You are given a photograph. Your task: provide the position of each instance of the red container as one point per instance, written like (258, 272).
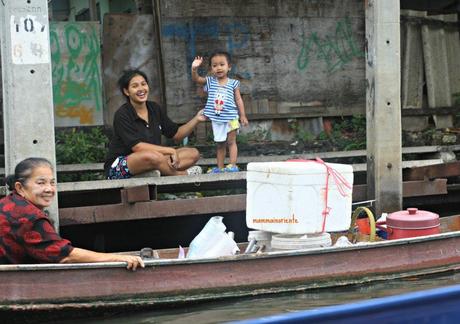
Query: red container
(411, 223)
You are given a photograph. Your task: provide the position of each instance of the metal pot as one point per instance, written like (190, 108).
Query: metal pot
(411, 223)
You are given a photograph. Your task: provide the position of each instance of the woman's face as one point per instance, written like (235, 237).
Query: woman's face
(40, 188)
(137, 90)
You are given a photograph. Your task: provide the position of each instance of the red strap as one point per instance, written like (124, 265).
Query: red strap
(340, 181)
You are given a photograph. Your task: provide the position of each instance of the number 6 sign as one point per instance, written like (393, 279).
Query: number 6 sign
(29, 40)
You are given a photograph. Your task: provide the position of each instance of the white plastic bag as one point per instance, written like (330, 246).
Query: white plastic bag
(212, 241)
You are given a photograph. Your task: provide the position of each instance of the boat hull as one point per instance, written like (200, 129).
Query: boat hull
(162, 282)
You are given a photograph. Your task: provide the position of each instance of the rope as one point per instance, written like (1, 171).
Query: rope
(340, 182)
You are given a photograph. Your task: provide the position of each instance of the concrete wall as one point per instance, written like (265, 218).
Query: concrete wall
(295, 58)
(289, 55)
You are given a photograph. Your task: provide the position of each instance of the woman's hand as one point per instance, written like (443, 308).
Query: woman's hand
(200, 116)
(173, 160)
(133, 262)
(78, 255)
(197, 62)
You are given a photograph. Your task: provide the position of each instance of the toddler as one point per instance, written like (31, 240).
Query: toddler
(224, 107)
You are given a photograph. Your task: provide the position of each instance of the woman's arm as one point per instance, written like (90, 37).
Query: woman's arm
(173, 160)
(78, 255)
(143, 146)
(187, 128)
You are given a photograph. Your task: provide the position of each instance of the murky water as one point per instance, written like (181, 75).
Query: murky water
(245, 308)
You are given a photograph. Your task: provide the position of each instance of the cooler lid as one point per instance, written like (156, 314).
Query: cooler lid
(413, 218)
(298, 167)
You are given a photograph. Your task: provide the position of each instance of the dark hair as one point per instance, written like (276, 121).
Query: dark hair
(24, 169)
(220, 53)
(126, 77)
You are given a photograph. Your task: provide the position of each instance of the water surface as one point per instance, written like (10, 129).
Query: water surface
(245, 308)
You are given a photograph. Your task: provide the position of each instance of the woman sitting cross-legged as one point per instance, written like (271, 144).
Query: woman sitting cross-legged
(138, 125)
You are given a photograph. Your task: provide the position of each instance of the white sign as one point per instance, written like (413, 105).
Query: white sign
(29, 40)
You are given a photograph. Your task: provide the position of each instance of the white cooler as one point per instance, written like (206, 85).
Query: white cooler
(289, 197)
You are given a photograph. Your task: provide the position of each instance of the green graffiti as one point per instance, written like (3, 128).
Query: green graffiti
(335, 51)
(75, 56)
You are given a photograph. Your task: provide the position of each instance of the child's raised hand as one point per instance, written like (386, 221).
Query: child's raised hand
(197, 62)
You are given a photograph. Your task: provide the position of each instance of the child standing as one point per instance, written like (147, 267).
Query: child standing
(224, 107)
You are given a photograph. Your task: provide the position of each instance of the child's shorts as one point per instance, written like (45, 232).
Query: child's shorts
(221, 129)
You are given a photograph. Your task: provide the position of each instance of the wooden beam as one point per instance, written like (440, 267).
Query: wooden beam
(444, 170)
(207, 205)
(152, 209)
(383, 106)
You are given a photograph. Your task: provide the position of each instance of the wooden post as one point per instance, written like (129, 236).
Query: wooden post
(28, 113)
(159, 49)
(92, 5)
(383, 107)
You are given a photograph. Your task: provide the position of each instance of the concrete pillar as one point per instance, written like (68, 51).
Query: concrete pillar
(28, 112)
(383, 107)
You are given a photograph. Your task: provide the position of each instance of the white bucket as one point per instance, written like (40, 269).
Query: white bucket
(290, 197)
(262, 238)
(299, 242)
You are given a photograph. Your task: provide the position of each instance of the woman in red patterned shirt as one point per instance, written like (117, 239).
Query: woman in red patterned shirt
(26, 233)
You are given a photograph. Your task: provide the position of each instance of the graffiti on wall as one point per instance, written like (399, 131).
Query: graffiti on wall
(335, 50)
(236, 37)
(76, 73)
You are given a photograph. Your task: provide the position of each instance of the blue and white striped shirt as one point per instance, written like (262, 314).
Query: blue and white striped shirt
(221, 105)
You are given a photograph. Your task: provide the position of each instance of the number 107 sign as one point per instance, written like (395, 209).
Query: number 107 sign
(29, 40)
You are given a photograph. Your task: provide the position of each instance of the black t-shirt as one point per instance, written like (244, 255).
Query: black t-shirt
(129, 129)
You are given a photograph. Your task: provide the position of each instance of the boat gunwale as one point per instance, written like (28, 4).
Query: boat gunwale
(232, 258)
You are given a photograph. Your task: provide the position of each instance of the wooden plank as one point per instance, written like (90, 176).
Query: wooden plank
(135, 194)
(424, 188)
(157, 181)
(453, 54)
(410, 189)
(195, 180)
(68, 168)
(444, 170)
(346, 111)
(311, 112)
(412, 74)
(207, 205)
(437, 71)
(361, 167)
(412, 78)
(152, 209)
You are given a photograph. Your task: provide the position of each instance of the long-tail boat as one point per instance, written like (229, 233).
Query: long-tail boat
(168, 280)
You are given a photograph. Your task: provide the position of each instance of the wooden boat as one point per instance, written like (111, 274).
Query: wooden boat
(439, 305)
(169, 280)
